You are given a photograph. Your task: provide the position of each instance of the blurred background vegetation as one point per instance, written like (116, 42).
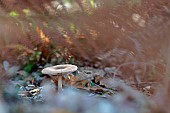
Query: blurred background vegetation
(131, 36)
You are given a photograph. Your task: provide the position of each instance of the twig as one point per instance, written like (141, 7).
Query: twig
(129, 63)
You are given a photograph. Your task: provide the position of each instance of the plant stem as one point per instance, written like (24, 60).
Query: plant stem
(59, 83)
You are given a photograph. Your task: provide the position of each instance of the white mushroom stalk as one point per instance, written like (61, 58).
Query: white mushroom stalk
(59, 70)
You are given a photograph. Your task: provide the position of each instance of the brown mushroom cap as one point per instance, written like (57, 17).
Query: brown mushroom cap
(59, 69)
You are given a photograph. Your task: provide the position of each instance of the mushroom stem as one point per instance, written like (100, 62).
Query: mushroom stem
(59, 83)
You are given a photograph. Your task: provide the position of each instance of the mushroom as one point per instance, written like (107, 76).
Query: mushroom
(59, 70)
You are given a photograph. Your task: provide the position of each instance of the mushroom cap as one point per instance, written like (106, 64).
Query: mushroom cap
(59, 69)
